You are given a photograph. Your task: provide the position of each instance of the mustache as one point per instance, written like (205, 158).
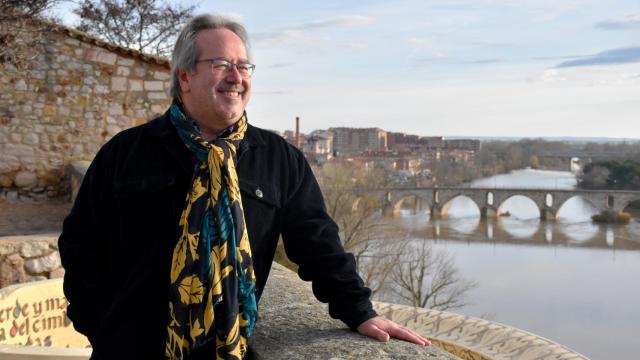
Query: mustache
(233, 87)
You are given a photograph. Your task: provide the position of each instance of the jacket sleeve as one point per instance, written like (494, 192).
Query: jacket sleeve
(311, 240)
(80, 244)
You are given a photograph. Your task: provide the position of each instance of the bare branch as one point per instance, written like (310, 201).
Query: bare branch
(149, 26)
(426, 278)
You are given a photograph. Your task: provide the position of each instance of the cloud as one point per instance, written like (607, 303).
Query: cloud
(608, 57)
(419, 41)
(629, 22)
(566, 57)
(280, 65)
(278, 36)
(335, 21)
(354, 45)
(484, 61)
(298, 32)
(273, 92)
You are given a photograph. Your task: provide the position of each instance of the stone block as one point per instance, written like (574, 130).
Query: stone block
(31, 139)
(125, 61)
(20, 85)
(43, 264)
(12, 270)
(113, 129)
(26, 179)
(8, 248)
(15, 137)
(161, 75)
(139, 121)
(119, 83)
(57, 273)
(10, 163)
(63, 111)
(157, 109)
(72, 42)
(105, 57)
(135, 85)
(12, 195)
(31, 249)
(100, 89)
(49, 110)
(153, 85)
(78, 150)
(158, 95)
(123, 71)
(5, 182)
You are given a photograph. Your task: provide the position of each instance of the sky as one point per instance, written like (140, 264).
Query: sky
(522, 68)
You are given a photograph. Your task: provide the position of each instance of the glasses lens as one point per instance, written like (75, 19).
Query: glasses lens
(246, 69)
(221, 65)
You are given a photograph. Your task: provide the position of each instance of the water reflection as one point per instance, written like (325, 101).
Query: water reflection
(531, 231)
(560, 279)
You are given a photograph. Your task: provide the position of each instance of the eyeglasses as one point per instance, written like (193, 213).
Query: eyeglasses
(221, 65)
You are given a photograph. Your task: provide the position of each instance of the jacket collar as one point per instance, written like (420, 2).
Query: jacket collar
(162, 129)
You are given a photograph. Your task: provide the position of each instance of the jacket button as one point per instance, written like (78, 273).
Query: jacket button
(259, 193)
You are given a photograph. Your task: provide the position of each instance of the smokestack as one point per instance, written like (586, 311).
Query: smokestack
(298, 132)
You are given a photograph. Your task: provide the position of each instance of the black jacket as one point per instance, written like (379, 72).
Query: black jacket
(117, 242)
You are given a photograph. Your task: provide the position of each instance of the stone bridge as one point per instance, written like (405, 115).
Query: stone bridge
(489, 200)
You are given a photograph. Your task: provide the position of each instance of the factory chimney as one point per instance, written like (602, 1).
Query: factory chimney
(298, 132)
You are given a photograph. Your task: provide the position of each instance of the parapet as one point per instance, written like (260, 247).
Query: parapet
(293, 325)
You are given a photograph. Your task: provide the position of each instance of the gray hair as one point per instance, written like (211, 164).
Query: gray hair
(186, 52)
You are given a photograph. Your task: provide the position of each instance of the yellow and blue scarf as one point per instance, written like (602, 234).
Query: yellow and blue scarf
(212, 291)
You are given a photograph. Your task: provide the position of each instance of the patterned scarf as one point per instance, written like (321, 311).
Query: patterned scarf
(212, 291)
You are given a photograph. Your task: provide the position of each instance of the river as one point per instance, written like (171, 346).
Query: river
(570, 281)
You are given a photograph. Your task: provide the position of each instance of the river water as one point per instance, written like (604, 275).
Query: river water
(570, 281)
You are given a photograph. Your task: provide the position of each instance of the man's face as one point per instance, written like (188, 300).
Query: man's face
(214, 98)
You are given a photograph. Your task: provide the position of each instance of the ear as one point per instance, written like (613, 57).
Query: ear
(184, 78)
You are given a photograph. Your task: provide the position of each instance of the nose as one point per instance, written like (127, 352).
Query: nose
(233, 75)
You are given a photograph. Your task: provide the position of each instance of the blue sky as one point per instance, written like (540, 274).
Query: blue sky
(445, 67)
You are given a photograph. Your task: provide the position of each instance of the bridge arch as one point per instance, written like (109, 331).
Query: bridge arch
(446, 203)
(586, 199)
(634, 201)
(399, 202)
(501, 205)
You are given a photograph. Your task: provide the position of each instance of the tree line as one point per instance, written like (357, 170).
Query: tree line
(498, 157)
(613, 174)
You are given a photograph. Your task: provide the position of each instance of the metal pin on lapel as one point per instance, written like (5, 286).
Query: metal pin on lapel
(259, 193)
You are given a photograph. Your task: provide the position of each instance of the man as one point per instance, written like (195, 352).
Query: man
(150, 275)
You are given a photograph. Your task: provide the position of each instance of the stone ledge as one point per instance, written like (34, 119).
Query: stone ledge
(477, 339)
(294, 325)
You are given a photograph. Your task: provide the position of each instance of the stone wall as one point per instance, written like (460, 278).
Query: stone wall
(76, 96)
(29, 258)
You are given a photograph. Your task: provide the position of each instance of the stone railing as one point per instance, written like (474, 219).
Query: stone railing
(293, 325)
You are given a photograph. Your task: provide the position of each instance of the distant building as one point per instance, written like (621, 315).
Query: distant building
(290, 136)
(358, 140)
(318, 146)
(432, 142)
(463, 144)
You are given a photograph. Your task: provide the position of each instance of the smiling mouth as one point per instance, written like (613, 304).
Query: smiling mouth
(231, 93)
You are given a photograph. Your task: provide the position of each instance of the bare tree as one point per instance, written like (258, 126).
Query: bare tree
(149, 26)
(429, 278)
(22, 27)
(375, 243)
